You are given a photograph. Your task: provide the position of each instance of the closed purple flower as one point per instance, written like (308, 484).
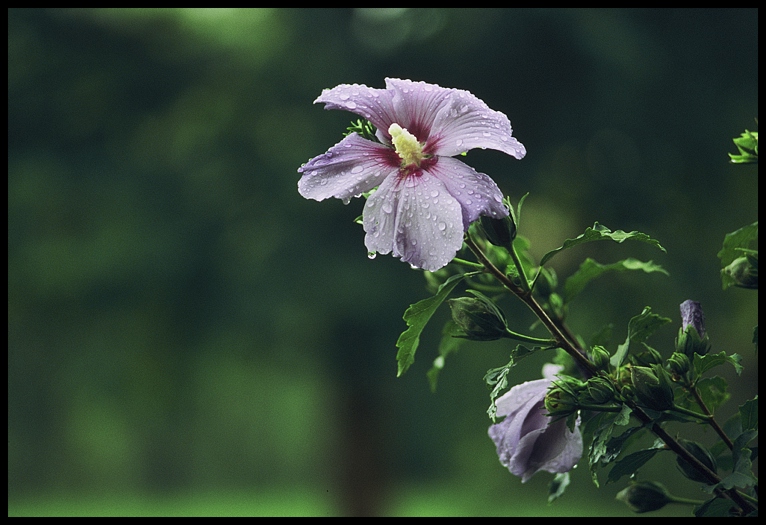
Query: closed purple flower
(425, 199)
(692, 315)
(526, 440)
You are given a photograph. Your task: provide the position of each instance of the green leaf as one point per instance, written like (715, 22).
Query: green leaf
(416, 317)
(601, 233)
(713, 391)
(714, 508)
(703, 363)
(640, 328)
(630, 464)
(590, 269)
(497, 378)
(747, 144)
(449, 343)
(734, 245)
(749, 414)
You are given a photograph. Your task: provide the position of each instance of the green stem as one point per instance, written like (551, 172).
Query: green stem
(692, 413)
(468, 264)
(510, 334)
(711, 421)
(519, 268)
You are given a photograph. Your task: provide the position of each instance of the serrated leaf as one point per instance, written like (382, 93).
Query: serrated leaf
(497, 378)
(733, 244)
(416, 317)
(590, 269)
(703, 363)
(749, 414)
(640, 328)
(601, 233)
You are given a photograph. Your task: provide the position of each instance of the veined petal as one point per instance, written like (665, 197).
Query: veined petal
(553, 449)
(348, 169)
(465, 122)
(476, 192)
(416, 104)
(416, 219)
(513, 400)
(373, 104)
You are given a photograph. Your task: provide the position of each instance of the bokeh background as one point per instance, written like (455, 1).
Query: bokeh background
(187, 335)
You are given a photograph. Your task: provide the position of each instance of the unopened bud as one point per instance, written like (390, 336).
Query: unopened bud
(600, 358)
(478, 318)
(562, 397)
(692, 338)
(652, 387)
(644, 496)
(679, 364)
(500, 232)
(744, 272)
(598, 391)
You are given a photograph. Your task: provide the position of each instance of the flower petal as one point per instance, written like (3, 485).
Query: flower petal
(416, 219)
(348, 169)
(553, 449)
(476, 192)
(465, 122)
(416, 104)
(373, 104)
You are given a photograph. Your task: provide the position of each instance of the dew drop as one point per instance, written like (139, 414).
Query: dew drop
(357, 169)
(387, 208)
(434, 193)
(351, 105)
(442, 226)
(371, 255)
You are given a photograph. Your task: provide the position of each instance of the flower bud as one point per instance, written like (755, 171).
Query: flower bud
(692, 338)
(562, 397)
(652, 387)
(744, 272)
(598, 391)
(644, 496)
(478, 318)
(702, 454)
(648, 357)
(678, 364)
(500, 232)
(600, 358)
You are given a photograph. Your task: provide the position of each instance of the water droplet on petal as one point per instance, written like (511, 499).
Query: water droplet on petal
(442, 226)
(357, 169)
(387, 208)
(371, 255)
(351, 105)
(434, 193)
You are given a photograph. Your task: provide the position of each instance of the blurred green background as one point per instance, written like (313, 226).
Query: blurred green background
(187, 335)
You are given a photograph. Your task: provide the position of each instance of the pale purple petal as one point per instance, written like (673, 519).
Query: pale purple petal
(416, 219)
(373, 104)
(348, 169)
(465, 122)
(692, 314)
(553, 448)
(416, 104)
(519, 395)
(476, 192)
(526, 440)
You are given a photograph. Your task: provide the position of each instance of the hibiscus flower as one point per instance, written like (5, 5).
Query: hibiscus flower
(425, 199)
(526, 440)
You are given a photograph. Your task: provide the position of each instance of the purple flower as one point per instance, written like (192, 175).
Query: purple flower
(425, 199)
(526, 440)
(692, 314)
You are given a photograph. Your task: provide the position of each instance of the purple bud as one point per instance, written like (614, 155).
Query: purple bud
(691, 314)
